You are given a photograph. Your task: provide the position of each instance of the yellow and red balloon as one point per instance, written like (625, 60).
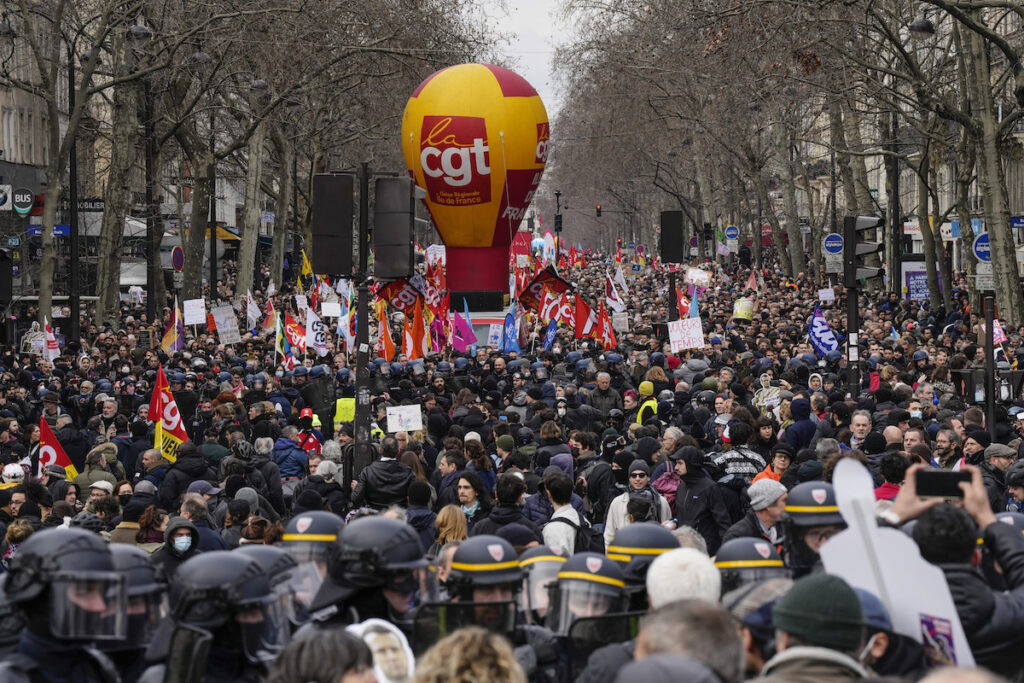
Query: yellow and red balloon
(475, 137)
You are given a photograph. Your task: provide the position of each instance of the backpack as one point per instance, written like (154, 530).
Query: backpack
(587, 538)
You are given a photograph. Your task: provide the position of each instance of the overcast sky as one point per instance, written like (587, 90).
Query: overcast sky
(536, 34)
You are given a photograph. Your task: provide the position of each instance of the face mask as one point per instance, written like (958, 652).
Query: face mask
(182, 543)
(575, 451)
(279, 374)
(561, 412)
(621, 476)
(124, 498)
(915, 413)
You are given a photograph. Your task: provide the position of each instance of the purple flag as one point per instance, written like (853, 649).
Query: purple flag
(462, 334)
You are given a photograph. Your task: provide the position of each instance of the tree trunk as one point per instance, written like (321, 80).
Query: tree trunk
(160, 292)
(706, 212)
(251, 214)
(993, 183)
(780, 250)
(194, 241)
(115, 201)
(843, 165)
(945, 277)
(796, 249)
(284, 193)
(925, 225)
(54, 191)
(861, 188)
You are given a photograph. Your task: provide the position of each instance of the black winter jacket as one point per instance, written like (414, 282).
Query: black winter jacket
(699, 504)
(503, 515)
(992, 619)
(748, 527)
(184, 471)
(383, 483)
(272, 476)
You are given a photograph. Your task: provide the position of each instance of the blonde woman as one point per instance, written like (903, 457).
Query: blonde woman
(451, 526)
(470, 655)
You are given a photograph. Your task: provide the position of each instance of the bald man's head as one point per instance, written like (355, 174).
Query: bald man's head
(893, 435)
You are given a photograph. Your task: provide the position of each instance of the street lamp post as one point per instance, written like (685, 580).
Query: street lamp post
(141, 34)
(212, 175)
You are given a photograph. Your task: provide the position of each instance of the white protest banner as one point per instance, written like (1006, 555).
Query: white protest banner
(316, 338)
(227, 324)
(300, 302)
(494, 335)
(685, 334)
(620, 321)
(888, 563)
(194, 311)
(404, 419)
(330, 309)
(696, 276)
(827, 295)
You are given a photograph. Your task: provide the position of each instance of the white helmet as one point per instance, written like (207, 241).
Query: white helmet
(13, 474)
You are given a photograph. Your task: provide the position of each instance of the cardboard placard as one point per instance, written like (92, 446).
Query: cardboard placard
(685, 334)
(404, 419)
(194, 311)
(827, 295)
(620, 321)
(696, 276)
(301, 303)
(227, 324)
(494, 335)
(330, 309)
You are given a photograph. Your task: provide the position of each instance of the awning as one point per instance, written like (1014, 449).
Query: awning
(224, 235)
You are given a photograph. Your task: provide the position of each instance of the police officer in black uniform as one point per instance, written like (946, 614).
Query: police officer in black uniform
(225, 599)
(376, 568)
(64, 585)
(812, 517)
(634, 547)
(742, 561)
(146, 607)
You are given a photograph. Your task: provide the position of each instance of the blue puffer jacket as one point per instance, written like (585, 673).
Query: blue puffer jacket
(800, 433)
(291, 460)
(538, 509)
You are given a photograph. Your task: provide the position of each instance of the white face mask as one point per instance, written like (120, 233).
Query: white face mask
(182, 543)
(561, 412)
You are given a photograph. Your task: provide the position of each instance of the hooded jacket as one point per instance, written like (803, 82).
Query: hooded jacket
(422, 520)
(290, 458)
(189, 467)
(500, 516)
(699, 502)
(166, 557)
(383, 483)
(801, 432)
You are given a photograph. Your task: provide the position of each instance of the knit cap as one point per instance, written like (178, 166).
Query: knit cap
(821, 609)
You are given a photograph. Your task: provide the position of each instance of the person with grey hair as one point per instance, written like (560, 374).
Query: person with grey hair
(860, 427)
(194, 509)
(825, 449)
(689, 537)
(604, 398)
(695, 629)
(331, 451)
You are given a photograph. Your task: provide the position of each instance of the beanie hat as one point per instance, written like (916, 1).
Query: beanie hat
(419, 493)
(623, 458)
(646, 448)
(308, 500)
(506, 443)
(980, 435)
(785, 449)
(764, 492)
(646, 388)
(232, 484)
(821, 609)
(30, 509)
(874, 443)
(639, 465)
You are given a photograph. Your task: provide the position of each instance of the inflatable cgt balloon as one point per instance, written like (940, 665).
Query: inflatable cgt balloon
(475, 137)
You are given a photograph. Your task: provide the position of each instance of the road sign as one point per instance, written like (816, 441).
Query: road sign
(982, 247)
(24, 200)
(5, 197)
(732, 232)
(693, 242)
(833, 243)
(177, 258)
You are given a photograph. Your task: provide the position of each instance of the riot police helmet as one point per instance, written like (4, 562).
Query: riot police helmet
(146, 596)
(308, 536)
(65, 585)
(745, 560)
(540, 567)
(293, 584)
(589, 585)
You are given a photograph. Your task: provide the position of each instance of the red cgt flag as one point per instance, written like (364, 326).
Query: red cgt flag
(52, 453)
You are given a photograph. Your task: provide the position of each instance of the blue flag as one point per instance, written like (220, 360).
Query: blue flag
(693, 306)
(822, 338)
(465, 314)
(509, 337)
(549, 335)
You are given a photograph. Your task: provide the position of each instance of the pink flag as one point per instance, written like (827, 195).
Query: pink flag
(462, 334)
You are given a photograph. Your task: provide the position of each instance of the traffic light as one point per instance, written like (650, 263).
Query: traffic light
(393, 215)
(672, 236)
(598, 210)
(855, 248)
(558, 222)
(332, 224)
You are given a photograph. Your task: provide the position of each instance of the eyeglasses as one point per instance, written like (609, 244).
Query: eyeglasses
(638, 475)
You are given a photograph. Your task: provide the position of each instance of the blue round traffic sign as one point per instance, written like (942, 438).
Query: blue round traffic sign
(177, 258)
(983, 248)
(732, 232)
(833, 243)
(693, 242)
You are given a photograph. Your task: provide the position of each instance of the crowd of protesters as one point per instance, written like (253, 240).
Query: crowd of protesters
(554, 496)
